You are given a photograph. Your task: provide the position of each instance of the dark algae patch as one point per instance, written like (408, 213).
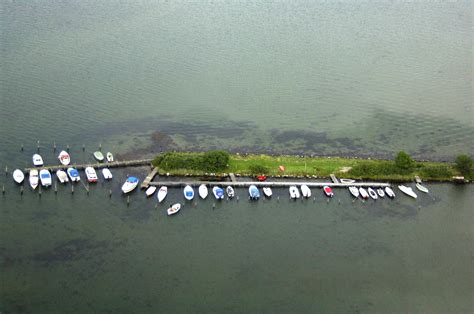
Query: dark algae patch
(70, 251)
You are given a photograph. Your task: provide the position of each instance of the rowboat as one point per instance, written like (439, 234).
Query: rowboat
(407, 190)
(354, 191)
(230, 191)
(218, 192)
(162, 193)
(348, 181)
(203, 192)
(73, 174)
(130, 184)
(150, 191)
(33, 178)
(389, 192)
(380, 192)
(37, 160)
(45, 177)
(110, 157)
(18, 176)
(188, 192)
(107, 174)
(363, 193)
(372, 193)
(294, 192)
(174, 209)
(64, 158)
(62, 176)
(267, 191)
(305, 191)
(91, 174)
(261, 178)
(254, 193)
(422, 188)
(328, 191)
(99, 156)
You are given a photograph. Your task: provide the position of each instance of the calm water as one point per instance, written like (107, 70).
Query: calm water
(324, 79)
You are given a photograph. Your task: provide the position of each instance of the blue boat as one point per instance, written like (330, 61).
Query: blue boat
(218, 192)
(254, 192)
(188, 192)
(130, 184)
(73, 174)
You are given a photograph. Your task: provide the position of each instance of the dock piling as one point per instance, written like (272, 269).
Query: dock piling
(128, 200)
(21, 190)
(6, 170)
(3, 189)
(110, 193)
(72, 188)
(22, 147)
(38, 145)
(83, 147)
(54, 147)
(67, 148)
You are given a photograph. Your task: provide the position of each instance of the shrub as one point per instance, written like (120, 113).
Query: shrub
(217, 160)
(403, 162)
(258, 169)
(210, 161)
(436, 172)
(464, 164)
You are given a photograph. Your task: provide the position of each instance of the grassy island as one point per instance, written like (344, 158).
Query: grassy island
(403, 168)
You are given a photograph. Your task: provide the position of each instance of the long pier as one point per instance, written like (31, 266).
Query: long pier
(270, 183)
(98, 165)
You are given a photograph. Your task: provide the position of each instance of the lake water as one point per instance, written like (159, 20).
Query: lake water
(330, 78)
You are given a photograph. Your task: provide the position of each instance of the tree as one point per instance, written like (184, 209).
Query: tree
(464, 164)
(404, 162)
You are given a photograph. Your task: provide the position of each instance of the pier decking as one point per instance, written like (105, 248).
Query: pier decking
(269, 183)
(98, 165)
(149, 177)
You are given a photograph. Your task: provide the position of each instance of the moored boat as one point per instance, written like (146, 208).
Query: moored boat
(73, 174)
(422, 188)
(230, 191)
(328, 191)
(380, 192)
(150, 191)
(64, 158)
(267, 191)
(18, 176)
(347, 181)
(372, 193)
(91, 174)
(389, 192)
(254, 193)
(45, 177)
(407, 190)
(188, 192)
(33, 178)
(99, 156)
(173, 209)
(218, 192)
(62, 176)
(110, 157)
(354, 191)
(294, 192)
(37, 160)
(106, 173)
(130, 184)
(261, 178)
(363, 193)
(305, 191)
(162, 193)
(203, 192)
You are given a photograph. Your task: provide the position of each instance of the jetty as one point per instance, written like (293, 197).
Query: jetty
(149, 177)
(269, 183)
(98, 165)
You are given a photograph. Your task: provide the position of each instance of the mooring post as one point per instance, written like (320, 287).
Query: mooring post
(38, 145)
(128, 200)
(83, 147)
(21, 190)
(72, 188)
(67, 148)
(110, 193)
(54, 147)
(3, 189)
(22, 147)
(100, 146)
(6, 170)
(55, 187)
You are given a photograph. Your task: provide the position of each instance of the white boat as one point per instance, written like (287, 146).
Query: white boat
(305, 191)
(91, 174)
(218, 192)
(389, 192)
(372, 193)
(363, 193)
(267, 191)
(150, 191)
(62, 176)
(294, 192)
(354, 191)
(130, 184)
(162, 193)
(107, 173)
(188, 192)
(73, 174)
(33, 178)
(422, 188)
(45, 177)
(18, 176)
(174, 209)
(407, 190)
(254, 193)
(203, 192)
(64, 158)
(348, 181)
(110, 157)
(99, 156)
(380, 192)
(37, 160)
(230, 191)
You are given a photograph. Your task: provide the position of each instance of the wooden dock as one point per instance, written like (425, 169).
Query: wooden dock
(149, 177)
(98, 165)
(269, 183)
(333, 178)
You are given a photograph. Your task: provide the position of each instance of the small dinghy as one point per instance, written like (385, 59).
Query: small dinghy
(372, 193)
(110, 157)
(62, 176)
(99, 156)
(64, 158)
(129, 185)
(267, 191)
(33, 178)
(380, 192)
(37, 160)
(407, 190)
(261, 178)
(354, 191)
(254, 193)
(218, 192)
(422, 188)
(294, 192)
(305, 191)
(73, 174)
(230, 191)
(203, 192)
(150, 191)
(106, 173)
(389, 192)
(363, 193)
(18, 176)
(347, 181)
(328, 191)
(188, 192)
(91, 175)
(174, 209)
(45, 178)
(162, 193)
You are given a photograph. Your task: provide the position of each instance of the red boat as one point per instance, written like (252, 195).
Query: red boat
(261, 178)
(328, 191)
